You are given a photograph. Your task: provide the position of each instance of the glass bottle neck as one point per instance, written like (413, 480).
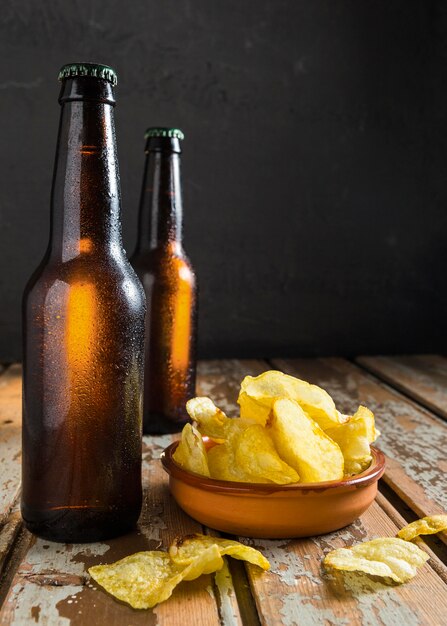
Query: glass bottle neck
(161, 210)
(85, 199)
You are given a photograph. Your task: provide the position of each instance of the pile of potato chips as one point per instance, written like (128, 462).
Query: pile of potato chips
(288, 431)
(145, 579)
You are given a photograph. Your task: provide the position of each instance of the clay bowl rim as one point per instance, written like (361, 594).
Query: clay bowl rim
(369, 476)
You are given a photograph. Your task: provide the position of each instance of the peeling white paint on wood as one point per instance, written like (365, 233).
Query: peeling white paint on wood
(416, 443)
(377, 602)
(50, 573)
(228, 609)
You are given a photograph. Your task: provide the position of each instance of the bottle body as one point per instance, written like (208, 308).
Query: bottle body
(83, 321)
(83, 360)
(171, 291)
(170, 353)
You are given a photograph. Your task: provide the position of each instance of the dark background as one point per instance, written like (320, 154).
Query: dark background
(314, 160)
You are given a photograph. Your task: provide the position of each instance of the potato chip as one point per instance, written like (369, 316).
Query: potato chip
(190, 452)
(250, 456)
(222, 465)
(259, 393)
(353, 437)
(389, 558)
(211, 421)
(146, 578)
(425, 526)
(366, 417)
(342, 418)
(255, 452)
(303, 445)
(184, 550)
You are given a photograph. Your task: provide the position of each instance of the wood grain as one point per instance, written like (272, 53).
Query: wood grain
(10, 438)
(413, 440)
(422, 377)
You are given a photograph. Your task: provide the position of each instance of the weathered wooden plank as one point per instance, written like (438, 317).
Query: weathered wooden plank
(297, 591)
(51, 584)
(422, 377)
(10, 438)
(413, 440)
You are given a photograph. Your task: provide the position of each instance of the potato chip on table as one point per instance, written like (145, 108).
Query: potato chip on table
(426, 526)
(145, 579)
(183, 550)
(389, 557)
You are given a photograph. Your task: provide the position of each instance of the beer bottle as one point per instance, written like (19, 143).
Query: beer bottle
(84, 313)
(170, 285)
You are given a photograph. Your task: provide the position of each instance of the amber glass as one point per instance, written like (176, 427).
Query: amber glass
(170, 285)
(83, 320)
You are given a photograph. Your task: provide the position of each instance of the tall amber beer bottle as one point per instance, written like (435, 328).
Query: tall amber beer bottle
(170, 285)
(84, 313)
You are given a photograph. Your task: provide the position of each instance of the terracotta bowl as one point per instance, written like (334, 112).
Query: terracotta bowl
(273, 511)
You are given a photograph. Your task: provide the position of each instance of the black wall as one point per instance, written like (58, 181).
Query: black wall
(314, 159)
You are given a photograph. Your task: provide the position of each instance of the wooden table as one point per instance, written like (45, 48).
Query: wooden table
(47, 583)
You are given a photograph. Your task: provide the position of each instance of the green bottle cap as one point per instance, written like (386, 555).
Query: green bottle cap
(95, 70)
(171, 133)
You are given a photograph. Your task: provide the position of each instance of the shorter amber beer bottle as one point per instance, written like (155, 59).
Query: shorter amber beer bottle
(170, 285)
(84, 313)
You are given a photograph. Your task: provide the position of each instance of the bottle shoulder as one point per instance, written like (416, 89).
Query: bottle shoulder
(109, 276)
(161, 260)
